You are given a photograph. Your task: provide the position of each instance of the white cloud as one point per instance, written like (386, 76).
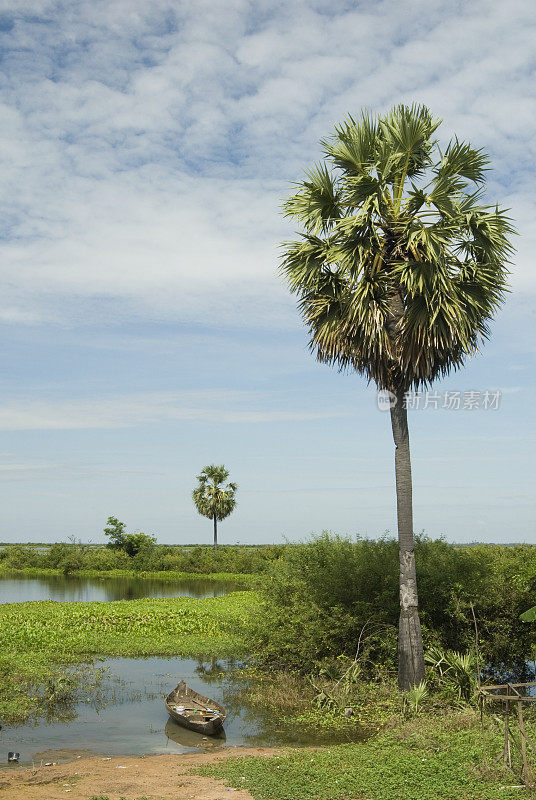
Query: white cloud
(125, 411)
(146, 145)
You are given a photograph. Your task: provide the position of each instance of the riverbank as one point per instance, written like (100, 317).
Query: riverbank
(166, 777)
(407, 765)
(162, 575)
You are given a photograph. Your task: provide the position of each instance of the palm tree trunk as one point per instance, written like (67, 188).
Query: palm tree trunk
(410, 649)
(215, 533)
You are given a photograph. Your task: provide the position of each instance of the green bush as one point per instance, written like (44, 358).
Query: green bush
(54, 556)
(139, 543)
(325, 593)
(203, 560)
(510, 584)
(16, 557)
(104, 559)
(73, 561)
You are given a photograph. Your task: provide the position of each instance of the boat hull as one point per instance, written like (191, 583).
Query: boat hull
(208, 728)
(199, 720)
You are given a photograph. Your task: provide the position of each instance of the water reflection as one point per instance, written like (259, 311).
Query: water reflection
(73, 588)
(187, 738)
(211, 671)
(127, 715)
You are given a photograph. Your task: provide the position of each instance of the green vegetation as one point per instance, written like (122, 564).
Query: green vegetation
(131, 543)
(320, 698)
(321, 630)
(195, 559)
(398, 271)
(38, 641)
(232, 577)
(330, 593)
(318, 603)
(180, 626)
(115, 531)
(436, 759)
(212, 499)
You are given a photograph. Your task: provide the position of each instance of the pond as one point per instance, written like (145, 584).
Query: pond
(74, 588)
(128, 716)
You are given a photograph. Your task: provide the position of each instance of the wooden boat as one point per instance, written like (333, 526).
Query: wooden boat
(195, 711)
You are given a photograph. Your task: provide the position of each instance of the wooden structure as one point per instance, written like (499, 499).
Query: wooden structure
(512, 698)
(195, 711)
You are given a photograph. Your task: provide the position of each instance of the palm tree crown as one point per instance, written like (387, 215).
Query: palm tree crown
(212, 499)
(400, 266)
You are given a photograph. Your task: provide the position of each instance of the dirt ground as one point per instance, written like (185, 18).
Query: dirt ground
(163, 777)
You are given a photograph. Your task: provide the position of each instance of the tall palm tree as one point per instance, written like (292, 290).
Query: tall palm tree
(398, 271)
(212, 499)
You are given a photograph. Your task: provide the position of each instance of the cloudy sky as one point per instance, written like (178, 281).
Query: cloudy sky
(146, 146)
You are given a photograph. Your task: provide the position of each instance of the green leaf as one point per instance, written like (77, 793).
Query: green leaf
(528, 616)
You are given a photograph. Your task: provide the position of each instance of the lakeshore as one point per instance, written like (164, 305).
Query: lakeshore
(386, 770)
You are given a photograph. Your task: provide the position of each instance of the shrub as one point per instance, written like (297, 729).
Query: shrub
(115, 530)
(104, 559)
(54, 556)
(323, 592)
(135, 543)
(73, 561)
(16, 557)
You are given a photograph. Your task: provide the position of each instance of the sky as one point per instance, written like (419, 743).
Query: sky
(146, 148)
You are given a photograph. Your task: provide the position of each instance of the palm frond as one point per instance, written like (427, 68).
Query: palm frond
(460, 159)
(399, 288)
(407, 136)
(317, 202)
(352, 147)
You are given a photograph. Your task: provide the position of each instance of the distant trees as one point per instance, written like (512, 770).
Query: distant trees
(115, 531)
(211, 498)
(130, 543)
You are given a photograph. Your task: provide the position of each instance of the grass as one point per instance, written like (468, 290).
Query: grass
(39, 640)
(162, 575)
(443, 763)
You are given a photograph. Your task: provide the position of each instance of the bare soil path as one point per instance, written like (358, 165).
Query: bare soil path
(163, 777)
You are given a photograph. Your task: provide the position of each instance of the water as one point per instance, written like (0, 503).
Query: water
(132, 719)
(73, 588)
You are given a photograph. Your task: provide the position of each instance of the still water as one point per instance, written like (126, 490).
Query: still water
(130, 717)
(73, 588)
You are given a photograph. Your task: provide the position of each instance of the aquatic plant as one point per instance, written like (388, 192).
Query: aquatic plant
(39, 640)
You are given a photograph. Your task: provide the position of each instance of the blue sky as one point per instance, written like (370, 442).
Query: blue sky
(146, 147)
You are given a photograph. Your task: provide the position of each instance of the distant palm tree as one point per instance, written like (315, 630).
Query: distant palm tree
(213, 500)
(398, 271)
